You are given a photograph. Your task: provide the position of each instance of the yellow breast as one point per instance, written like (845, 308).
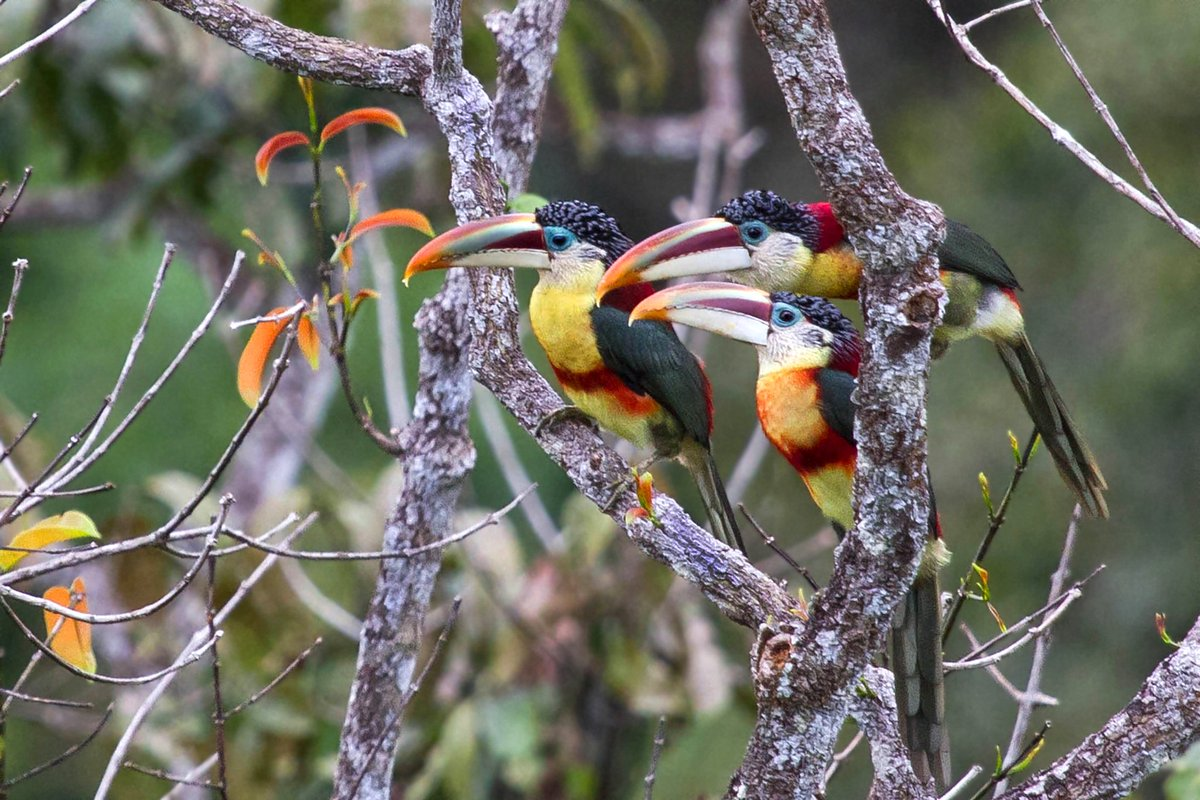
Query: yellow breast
(561, 321)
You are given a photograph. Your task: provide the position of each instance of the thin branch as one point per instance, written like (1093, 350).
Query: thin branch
(491, 519)
(297, 662)
(995, 522)
(20, 190)
(959, 789)
(1016, 694)
(1058, 133)
(779, 551)
(210, 615)
(451, 618)
(190, 779)
(4, 92)
(995, 12)
(1041, 649)
(64, 755)
(1003, 774)
(176, 779)
(660, 740)
(21, 434)
(50, 701)
(320, 604)
(122, 748)
(1102, 109)
(47, 34)
(19, 267)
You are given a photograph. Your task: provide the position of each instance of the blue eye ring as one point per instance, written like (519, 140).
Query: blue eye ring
(784, 315)
(754, 232)
(558, 239)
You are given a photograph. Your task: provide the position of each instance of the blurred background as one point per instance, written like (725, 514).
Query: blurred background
(571, 644)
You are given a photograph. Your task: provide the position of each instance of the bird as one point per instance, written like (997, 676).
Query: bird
(808, 359)
(637, 381)
(762, 240)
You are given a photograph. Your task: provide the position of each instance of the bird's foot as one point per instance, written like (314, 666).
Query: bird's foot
(562, 415)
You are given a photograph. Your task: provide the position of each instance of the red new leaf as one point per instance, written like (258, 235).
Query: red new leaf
(362, 116)
(309, 341)
(273, 147)
(396, 217)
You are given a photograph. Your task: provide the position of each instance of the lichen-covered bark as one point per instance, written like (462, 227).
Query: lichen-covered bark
(1159, 724)
(805, 679)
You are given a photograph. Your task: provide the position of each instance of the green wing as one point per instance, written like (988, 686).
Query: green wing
(651, 360)
(964, 250)
(837, 407)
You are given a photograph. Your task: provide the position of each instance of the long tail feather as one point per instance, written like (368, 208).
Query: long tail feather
(699, 461)
(1060, 434)
(917, 662)
(920, 695)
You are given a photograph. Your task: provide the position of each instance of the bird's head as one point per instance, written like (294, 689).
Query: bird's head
(757, 239)
(570, 242)
(790, 331)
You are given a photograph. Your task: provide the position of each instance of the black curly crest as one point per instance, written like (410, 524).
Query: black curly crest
(776, 212)
(590, 223)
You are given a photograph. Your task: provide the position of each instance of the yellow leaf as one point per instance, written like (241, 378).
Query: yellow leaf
(72, 640)
(71, 525)
(254, 356)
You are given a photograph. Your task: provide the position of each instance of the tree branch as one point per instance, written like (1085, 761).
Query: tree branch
(1159, 724)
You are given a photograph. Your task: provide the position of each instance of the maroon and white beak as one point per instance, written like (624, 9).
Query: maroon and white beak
(726, 309)
(698, 247)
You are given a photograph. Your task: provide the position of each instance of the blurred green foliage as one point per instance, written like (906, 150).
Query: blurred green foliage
(562, 660)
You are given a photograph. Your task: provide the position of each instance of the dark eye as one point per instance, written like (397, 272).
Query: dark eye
(754, 232)
(784, 316)
(559, 239)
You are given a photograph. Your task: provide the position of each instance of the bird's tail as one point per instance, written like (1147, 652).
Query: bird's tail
(917, 663)
(920, 692)
(699, 461)
(1058, 430)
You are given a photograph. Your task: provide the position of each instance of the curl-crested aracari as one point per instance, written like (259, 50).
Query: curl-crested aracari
(808, 358)
(637, 381)
(761, 240)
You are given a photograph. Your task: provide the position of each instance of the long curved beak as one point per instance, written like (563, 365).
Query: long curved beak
(726, 309)
(511, 240)
(698, 247)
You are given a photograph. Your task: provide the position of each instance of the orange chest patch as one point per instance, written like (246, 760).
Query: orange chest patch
(789, 409)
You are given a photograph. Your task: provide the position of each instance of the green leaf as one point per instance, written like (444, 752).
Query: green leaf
(61, 528)
(526, 203)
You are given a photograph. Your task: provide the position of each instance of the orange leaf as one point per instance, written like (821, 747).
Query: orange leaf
(401, 217)
(73, 639)
(254, 356)
(309, 342)
(346, 256)
(273, 147)
(362, 116)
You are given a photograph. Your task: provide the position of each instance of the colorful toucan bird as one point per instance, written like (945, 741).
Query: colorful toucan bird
(637, 381)
(808, 358)
(761, 240)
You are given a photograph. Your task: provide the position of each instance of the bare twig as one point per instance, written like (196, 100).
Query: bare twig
(176, 779)
(50, 701)
(193, 650)
(47, 34)
(19, 267)
(960, 788)
(1058, 133)
(296, 663)
(210, 615)
(64, 755)
(779, 551)
(840, 757)
(995, 12)
(451, 618)
(660, 740)
(20, 190)
(1016, 694)
(1041, 650)
(21, 434)
(491, 519)
(4, 92)
(190, 779)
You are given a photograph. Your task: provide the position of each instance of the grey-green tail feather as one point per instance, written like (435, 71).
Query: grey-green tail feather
(699, 461)
(917, 664)
(1058, 430)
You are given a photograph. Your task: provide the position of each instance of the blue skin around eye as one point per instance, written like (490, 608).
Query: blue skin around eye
(753, 232)
(784, 316)
(558, 239)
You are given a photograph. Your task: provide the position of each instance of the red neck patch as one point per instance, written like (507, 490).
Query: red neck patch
(830, 230)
